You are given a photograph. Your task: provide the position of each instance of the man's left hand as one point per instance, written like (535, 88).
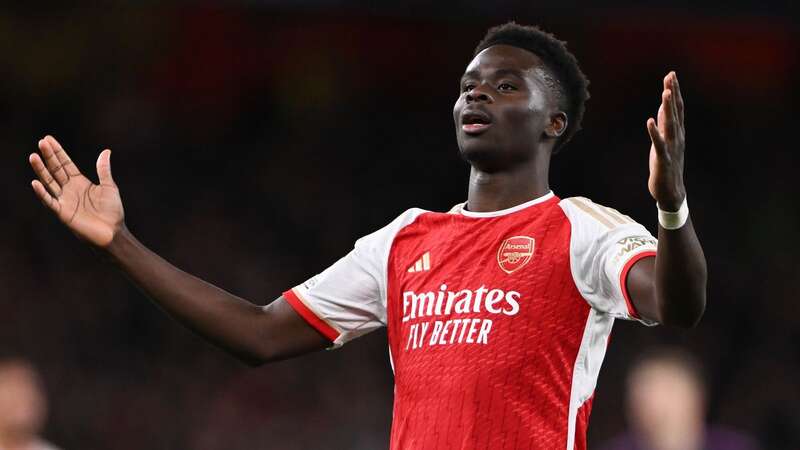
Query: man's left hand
(668, 144)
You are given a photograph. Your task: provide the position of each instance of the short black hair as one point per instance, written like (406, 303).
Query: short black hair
(570, 83)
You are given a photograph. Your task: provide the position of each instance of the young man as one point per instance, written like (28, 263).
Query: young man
(499, 311)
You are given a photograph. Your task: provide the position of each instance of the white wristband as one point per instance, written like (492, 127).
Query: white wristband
(673, 220)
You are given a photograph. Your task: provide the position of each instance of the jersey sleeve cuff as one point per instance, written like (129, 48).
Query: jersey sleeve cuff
(303, 308)
(623, 281)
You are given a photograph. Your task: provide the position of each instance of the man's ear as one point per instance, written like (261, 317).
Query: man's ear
(557, 125)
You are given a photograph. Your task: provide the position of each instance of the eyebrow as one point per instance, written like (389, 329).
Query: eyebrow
(497, 73)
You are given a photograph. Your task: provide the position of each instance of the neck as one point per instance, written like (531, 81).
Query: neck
(10, 440)
(690, 440)
(505, 189)
(684, 433)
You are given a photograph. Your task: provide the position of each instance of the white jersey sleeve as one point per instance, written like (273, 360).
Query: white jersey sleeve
(604, 245)
(348, 299)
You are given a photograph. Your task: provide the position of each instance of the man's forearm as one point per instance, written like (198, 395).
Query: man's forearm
(94, 212)
(671, 289)
(680, 276)
(224, 319)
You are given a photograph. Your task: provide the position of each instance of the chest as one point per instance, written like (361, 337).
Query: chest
(456, 281)
(445, 253)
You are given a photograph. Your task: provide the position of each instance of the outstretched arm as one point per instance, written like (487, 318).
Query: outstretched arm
(670, 288)
(94, 213)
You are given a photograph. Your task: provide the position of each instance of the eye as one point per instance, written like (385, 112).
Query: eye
(506, 87)
(467, 87)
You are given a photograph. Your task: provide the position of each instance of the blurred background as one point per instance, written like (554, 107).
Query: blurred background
(254, 141)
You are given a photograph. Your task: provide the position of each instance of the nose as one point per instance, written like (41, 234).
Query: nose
(479, 94)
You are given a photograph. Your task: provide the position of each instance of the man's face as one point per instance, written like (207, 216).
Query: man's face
(504, 107)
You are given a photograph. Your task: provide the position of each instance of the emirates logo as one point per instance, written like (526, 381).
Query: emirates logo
(514, 253)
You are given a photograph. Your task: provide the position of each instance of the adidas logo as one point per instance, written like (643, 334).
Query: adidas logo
(423, 264)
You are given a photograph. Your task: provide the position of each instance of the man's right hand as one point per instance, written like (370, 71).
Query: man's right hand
(92, 211)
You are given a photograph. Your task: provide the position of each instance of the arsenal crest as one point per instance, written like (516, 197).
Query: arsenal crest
(514, 253)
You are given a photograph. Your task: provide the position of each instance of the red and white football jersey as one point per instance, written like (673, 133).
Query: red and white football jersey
(498, 322)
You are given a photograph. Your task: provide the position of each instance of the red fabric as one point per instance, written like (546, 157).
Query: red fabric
(623, 281)
(582, 423)
(513, 390)
(309, 316)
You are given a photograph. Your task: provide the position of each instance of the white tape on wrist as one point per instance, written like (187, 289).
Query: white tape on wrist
(673, 220)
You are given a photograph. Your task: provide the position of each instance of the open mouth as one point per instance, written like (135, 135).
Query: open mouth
(475, 122)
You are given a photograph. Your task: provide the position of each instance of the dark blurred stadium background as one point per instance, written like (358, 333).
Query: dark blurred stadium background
(254, 142)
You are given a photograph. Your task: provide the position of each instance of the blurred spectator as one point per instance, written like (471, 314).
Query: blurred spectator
(22, 407)
(666, 403)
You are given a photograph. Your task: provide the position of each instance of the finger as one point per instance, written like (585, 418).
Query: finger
(63, 158)
(668, 124)
(104, 168)
(45, 197)
(51, 162)
(673, 102)
(44, 175)
(661, 117)
(678, 97)
(655, 137)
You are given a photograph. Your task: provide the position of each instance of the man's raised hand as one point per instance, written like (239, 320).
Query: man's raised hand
(666, 152)
(92, 211)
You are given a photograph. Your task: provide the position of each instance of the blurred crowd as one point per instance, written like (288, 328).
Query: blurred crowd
(252, 147)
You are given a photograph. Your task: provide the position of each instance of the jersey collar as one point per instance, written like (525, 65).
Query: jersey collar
(503, 212)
